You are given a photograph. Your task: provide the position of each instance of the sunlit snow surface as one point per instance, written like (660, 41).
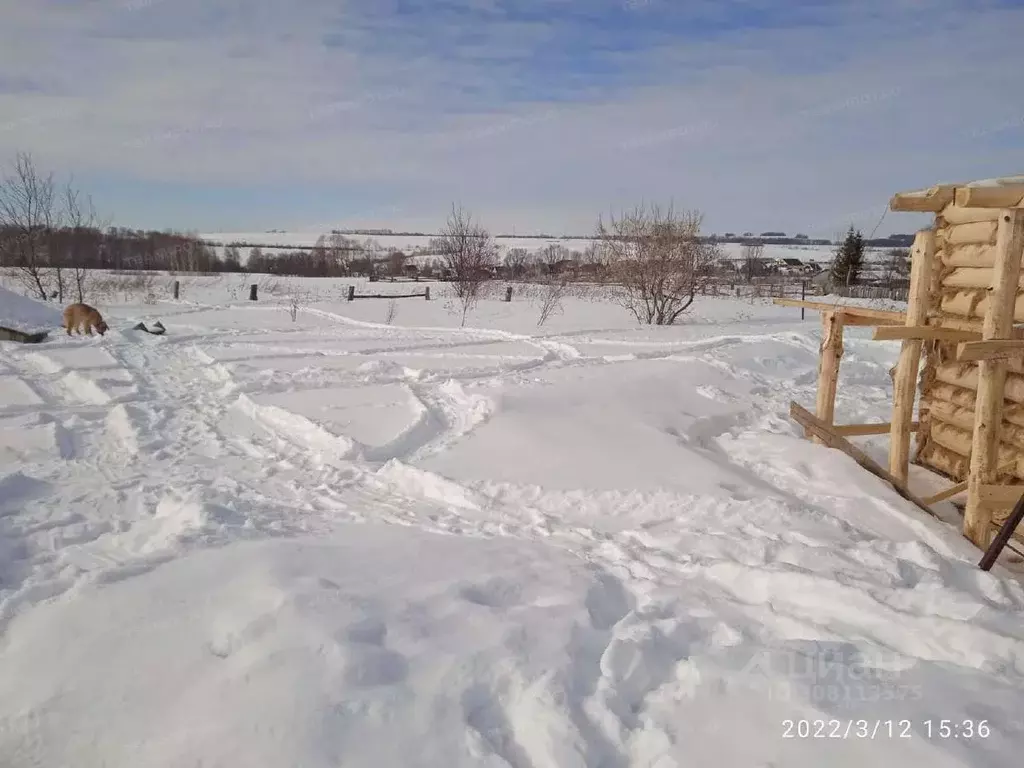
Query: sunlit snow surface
(331, 541)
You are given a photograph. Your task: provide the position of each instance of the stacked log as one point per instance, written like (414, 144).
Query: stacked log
(965, 241)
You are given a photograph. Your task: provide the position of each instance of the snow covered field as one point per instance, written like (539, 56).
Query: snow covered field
(333, 541)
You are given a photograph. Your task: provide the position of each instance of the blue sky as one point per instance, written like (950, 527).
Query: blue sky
(235, 115)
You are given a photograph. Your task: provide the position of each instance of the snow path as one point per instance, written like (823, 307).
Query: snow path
(720, 545)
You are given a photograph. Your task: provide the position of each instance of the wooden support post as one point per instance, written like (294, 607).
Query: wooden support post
(828, 366)
(427, 293)
(177, 286)
(508, 293)
(992, 375)
(351, 292)
(922, 257)
(252, 292)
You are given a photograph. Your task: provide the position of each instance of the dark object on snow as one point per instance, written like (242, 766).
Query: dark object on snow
(252, 292)
(1003, 537)
(157, 329)
(10, 334)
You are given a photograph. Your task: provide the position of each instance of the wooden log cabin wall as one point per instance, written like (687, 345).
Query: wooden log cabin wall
(966, 277)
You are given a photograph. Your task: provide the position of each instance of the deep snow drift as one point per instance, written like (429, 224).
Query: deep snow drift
(334, 541)
(22, 313)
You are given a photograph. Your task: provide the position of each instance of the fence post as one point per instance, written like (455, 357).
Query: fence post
(351, 292)
(177, 285)
(803, 297)
(427, 293)
(252, 292)
(508, 293)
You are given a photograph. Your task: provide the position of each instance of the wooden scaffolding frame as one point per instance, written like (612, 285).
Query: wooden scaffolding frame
(989, 343)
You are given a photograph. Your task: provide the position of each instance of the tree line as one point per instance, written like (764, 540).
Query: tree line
(654, 260)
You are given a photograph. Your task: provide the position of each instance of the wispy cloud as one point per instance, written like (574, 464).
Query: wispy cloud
(544, 113)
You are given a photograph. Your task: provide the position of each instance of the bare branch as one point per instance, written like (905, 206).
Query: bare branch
(754, 264)
(658, 259)
(554, 290)
(515, 262)
(28, 214)
(468, 255)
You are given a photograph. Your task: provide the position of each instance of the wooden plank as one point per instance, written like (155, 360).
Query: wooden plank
(904, 382)
(998, 324)
(12, 334)
(848, 309)
(931, 200)
(921, 332)
(1000, 496)
(828, 437)
(868, 322)
(949, 493)
(1007, 196)
(998, 349)
(828, 365)
(389, 296)
(859, 430)
(953, 490)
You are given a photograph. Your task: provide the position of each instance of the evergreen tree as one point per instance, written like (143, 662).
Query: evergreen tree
(848, 259)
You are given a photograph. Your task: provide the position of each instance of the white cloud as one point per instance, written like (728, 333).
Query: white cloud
(801, 129)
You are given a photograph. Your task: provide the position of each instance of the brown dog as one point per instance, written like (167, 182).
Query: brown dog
(82, 316)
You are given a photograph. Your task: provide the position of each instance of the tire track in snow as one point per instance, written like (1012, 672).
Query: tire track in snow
(724, 557)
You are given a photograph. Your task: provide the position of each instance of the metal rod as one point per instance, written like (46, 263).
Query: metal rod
(1001, 539)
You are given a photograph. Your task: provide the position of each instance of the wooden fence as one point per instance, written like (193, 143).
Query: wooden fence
(352, 295)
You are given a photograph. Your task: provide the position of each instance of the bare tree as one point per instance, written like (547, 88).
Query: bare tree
(551, 256)
(554, 289)
(80, 217)
(396, 263)
(319, 256)
(753, 261)
(467, 255)
(515, 261)
(897, 266)
(339, 253)
(658, 259)
(297, 299)
(28, 215)
(232, 258)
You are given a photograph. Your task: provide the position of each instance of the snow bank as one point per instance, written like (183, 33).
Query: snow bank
(381, 647)
(21, 313)
(224, 547)
(388, 647)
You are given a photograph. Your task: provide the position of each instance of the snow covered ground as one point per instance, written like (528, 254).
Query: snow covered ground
(334, 541)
